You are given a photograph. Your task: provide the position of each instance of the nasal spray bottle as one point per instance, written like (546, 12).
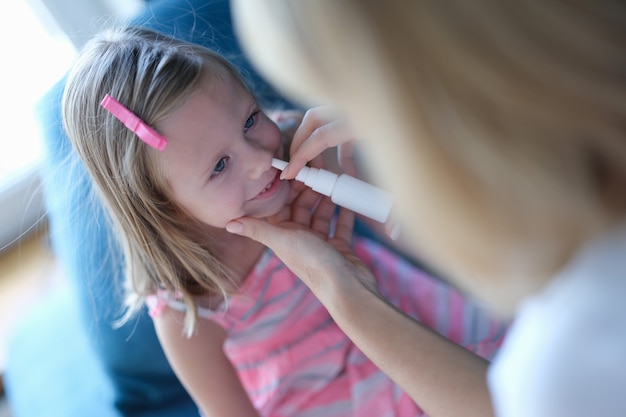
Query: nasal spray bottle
(345, 191)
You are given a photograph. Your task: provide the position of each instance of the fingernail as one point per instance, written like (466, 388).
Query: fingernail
(234, 227)
(283, 173)
(394, 233)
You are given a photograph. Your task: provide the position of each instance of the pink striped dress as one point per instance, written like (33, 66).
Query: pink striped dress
(293, 360)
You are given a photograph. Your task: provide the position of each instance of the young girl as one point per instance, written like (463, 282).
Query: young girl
(178, 147)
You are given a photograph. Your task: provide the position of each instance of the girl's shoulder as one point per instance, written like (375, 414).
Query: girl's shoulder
(162, 299)
(214, 307)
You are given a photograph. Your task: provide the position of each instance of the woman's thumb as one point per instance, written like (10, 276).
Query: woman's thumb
(255, 229)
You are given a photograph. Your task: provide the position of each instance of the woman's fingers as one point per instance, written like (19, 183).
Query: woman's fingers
(322, 220)
(279, 239)
(344, 226)
(312, 211)
(303, 206)
(312, 120)
(345, 157)
(318, 131)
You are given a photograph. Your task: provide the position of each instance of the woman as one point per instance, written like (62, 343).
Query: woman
(500, 127)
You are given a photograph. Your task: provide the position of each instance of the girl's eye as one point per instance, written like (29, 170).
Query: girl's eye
(250, 122)
(219, 167)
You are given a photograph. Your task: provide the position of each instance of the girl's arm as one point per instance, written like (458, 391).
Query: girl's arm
(202, 367)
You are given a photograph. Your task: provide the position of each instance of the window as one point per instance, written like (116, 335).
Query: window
(35, 56)
(36, 53)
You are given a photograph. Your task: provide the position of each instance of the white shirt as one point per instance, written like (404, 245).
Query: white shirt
(565, 354)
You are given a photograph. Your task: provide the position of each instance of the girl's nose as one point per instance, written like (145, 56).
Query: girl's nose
(259, 161)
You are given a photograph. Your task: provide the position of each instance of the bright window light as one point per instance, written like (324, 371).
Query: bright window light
(35, 56)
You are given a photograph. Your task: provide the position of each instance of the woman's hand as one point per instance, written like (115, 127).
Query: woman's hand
(312, 133)
(314, 244)
(319, 129)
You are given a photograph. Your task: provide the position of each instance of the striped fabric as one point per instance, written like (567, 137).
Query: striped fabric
(293, 360)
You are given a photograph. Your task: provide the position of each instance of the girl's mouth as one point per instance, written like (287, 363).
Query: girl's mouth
(271, 188)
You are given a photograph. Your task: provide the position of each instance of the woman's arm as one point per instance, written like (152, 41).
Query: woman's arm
(202, 367)
(442, 377)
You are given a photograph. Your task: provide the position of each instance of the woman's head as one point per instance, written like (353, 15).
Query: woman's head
(500, 126)
(165, 237)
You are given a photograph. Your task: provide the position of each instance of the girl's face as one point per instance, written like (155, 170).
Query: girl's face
(218, 159)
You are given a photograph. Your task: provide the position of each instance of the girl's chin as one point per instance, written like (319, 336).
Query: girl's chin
(268, 214)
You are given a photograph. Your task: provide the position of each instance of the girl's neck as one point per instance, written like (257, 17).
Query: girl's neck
(239, 254)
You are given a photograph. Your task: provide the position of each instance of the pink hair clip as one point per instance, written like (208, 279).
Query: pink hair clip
(134, 123)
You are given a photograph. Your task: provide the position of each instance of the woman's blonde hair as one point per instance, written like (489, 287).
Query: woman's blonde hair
(151, 74)
(499, 125)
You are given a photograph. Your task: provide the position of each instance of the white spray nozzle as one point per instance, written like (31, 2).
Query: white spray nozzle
(278, 164)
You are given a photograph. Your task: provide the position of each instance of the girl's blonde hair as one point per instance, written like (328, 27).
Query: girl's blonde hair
(500, 125)
(151, 74)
